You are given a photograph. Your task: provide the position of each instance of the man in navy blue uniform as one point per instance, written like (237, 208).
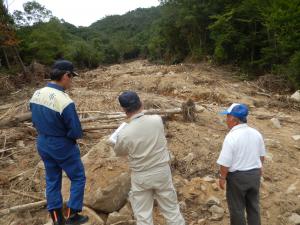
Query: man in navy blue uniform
(55, 118)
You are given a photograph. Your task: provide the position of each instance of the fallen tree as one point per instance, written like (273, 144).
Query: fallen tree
(17, 119)
(21, 208)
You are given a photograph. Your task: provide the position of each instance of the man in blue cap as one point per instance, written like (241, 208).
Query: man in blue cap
(143, 140)
(241, 161)
(55, 118)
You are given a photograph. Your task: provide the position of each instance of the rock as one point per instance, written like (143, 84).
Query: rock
(203, 188)
(189, 158)
(217, 213)
(103, 149)
(172, 157)
(215, 187)
(276, 123)
(4, 179)
(194, 214)
(296, 137)
(292, 188)
(40, 165)
(20, 143)
(294, 219)
(108, 182)
(297, 147)
(178, 182)
(208, 179)
(212, 200)
(201, 222)
(126, 210)
(111, 197)
(182, 205)
(94, 218)
(269, 157)
(296, 96)
(117, 217)
(271, 143)
(200, 108)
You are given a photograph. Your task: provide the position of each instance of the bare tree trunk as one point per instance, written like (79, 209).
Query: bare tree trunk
(6, 58)
(20, 61)
(16, 119)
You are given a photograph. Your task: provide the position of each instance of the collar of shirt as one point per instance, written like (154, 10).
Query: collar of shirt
(56, 86)
(243, 125)
(137, 116)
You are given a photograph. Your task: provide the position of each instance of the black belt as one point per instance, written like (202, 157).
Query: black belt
(244, 171)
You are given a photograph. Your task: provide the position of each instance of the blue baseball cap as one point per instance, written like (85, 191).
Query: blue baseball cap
(65, 66)
(129, 99)
(237, 110)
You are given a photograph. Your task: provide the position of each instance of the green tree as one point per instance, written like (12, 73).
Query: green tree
(33, 13)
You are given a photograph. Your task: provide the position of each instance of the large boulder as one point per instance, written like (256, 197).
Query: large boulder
(296, 96)
(108, 179)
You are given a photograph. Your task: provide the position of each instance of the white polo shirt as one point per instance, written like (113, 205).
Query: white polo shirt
(242, 148)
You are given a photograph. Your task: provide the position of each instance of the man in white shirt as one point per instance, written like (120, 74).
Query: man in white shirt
(143, 140)
(241, 161)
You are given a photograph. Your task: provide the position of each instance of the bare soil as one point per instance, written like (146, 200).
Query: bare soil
(194, 145)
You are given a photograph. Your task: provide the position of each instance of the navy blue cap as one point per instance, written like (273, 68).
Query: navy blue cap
(64, 65)
(237, 110)
(128, 99)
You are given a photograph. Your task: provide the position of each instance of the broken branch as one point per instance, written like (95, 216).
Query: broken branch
(20, 208)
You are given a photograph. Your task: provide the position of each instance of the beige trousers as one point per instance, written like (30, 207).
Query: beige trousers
(154, 184)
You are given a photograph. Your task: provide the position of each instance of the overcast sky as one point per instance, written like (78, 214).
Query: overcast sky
(83, 13)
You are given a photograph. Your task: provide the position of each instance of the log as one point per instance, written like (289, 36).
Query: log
(281, 118)
(15, 120)
(147, 112)
(7, 106)
(103, 127)
(21, 208)
(20, 174)
(27, 195)
(99, 112)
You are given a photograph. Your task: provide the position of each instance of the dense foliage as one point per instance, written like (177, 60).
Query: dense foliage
(259, 36)
(110, 40)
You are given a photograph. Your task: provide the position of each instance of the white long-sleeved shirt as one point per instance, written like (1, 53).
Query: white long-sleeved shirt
(144, 141)
(242, 148)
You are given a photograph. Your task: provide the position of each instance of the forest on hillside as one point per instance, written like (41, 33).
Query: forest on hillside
(257, 36)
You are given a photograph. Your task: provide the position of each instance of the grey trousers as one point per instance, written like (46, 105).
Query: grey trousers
(243, 195)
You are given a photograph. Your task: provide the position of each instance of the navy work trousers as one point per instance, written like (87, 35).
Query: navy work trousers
(62, 154)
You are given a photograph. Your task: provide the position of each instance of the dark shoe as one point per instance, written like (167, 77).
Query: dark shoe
(75, 219)
(57, 217)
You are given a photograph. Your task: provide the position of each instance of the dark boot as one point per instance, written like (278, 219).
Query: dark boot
(57, 217)
(73, 218)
